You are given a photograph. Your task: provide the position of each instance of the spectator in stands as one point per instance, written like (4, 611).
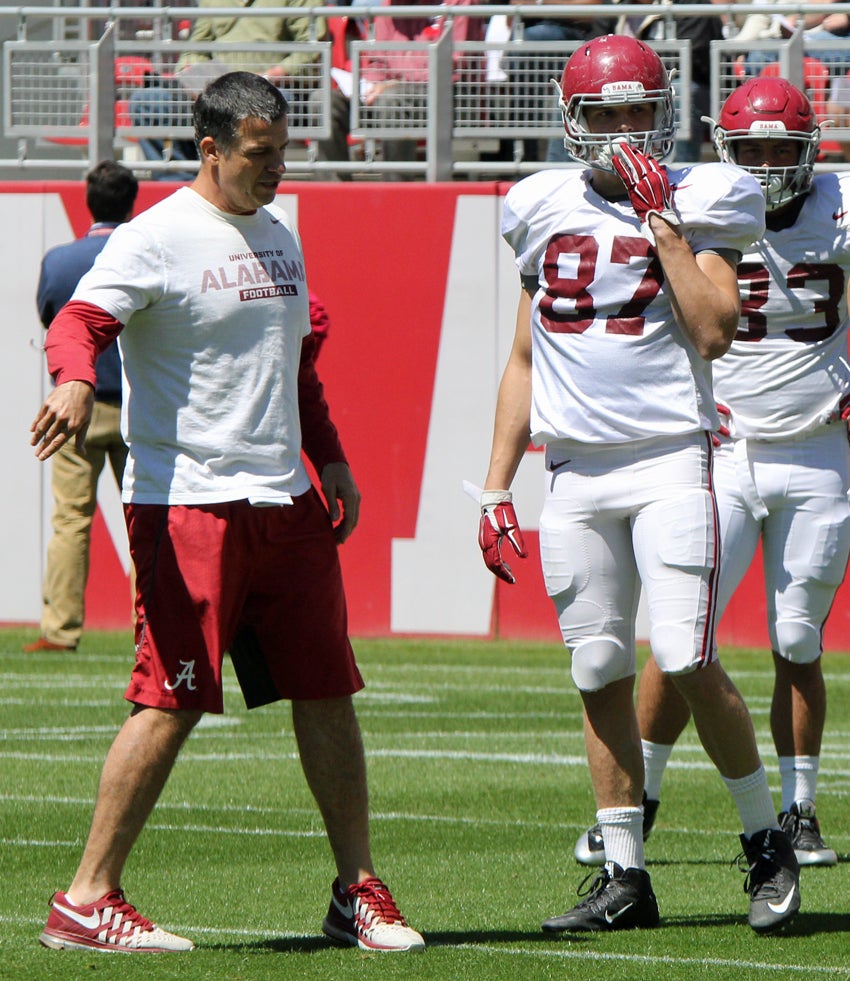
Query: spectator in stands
(394, 83)
(110, 196)
(167, 101)
(343, 31)
(555, 28)
(774, 25)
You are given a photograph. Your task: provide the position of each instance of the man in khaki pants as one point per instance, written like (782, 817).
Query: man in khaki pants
(110, 196)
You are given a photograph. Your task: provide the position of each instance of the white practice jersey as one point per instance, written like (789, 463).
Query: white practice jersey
(215, 308)
(610, 364)
(787, 367)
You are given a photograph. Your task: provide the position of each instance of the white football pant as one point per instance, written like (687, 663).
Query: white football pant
(616, 516)
(793, 495)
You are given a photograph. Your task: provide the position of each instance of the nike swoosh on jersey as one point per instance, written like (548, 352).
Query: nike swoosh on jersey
(838, 215)
(89, 922)
(275, 221)
(553, 466)
(613, 917)
(786, 902)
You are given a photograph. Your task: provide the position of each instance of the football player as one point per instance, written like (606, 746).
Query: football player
(782, 476)
(628, 294)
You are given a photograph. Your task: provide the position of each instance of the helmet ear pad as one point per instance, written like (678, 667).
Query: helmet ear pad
(615, 69)
(771, 108)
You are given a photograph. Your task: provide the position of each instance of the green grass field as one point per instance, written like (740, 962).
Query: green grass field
(478, 787)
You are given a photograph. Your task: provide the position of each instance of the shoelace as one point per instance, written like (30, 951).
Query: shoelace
(377, 897)
(767, 854)
(802, 826)
(807, 825)
(791, 824)
(128, 912)
(600, 881)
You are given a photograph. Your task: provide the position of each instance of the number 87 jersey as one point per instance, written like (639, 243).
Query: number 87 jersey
(787, 368)
(609, 363)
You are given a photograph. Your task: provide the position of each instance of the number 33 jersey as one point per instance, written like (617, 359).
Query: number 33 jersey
(609, 363)
(787, 368)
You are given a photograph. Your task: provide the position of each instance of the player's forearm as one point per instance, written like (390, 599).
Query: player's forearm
(511, 429)
(706, 306)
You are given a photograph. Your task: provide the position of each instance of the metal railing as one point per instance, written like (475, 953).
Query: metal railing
(68, 104)
(518, 107)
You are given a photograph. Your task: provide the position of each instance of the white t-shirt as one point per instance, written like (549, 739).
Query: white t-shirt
(215, 308)
(787, 367)
(609, 363)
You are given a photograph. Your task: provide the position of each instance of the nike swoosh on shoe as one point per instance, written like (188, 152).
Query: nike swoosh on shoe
(613, 917)
(90, 922)
(786, 902)
(346, 908)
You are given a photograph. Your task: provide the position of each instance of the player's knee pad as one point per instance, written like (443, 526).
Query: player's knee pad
(797, 641)
(598, 661)
(676, 647)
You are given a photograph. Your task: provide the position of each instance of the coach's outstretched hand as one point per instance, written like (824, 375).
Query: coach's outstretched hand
(66, 413)
(498, 523)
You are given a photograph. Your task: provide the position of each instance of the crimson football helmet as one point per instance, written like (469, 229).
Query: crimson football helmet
(615, 69)
(770, 108)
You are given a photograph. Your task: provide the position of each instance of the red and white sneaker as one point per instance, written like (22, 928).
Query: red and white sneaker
(365, 916)
(110, 924)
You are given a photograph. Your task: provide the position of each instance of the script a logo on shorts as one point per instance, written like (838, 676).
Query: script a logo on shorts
(187, 674)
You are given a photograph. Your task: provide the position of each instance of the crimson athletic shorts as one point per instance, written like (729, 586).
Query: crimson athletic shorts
(263, 583)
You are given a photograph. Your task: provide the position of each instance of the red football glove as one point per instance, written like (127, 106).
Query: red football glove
(499, 522)
(648, 186)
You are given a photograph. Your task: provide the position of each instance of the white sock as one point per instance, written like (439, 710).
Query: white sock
(655, 758)
(799, 775)
(752, 798)
(622, 832)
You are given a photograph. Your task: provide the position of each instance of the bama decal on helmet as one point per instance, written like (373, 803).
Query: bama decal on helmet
(621, 88)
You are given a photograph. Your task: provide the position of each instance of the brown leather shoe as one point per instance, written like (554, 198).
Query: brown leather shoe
(43, 644)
